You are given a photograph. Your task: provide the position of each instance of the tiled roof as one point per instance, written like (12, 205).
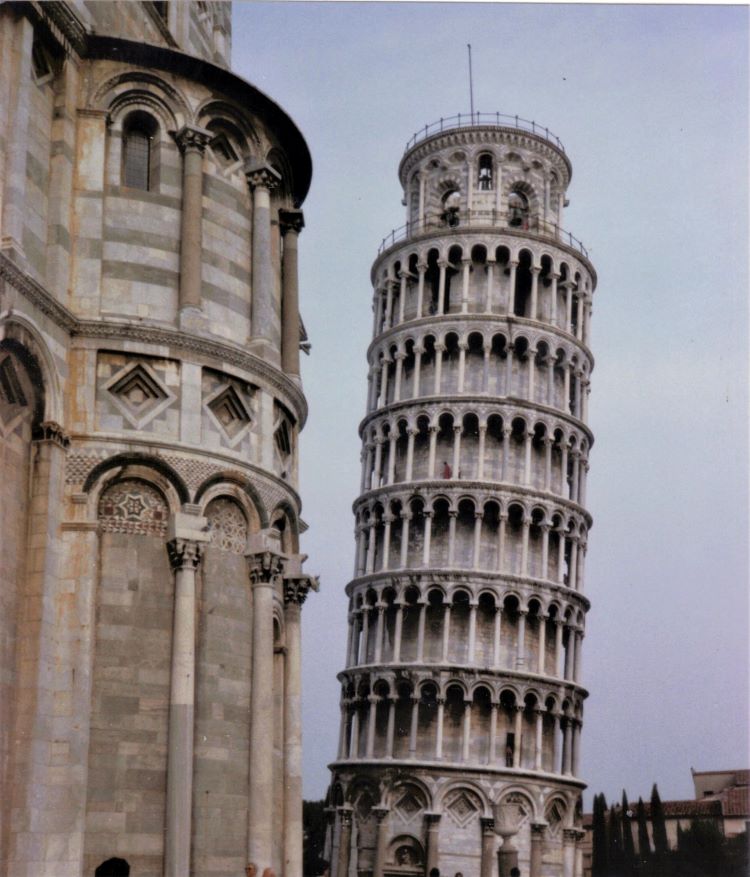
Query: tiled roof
(690, 809)
(735, 801)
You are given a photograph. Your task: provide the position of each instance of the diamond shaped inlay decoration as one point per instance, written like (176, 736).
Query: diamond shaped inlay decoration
(408, 806)
(462, 809)
(139, 394)
(230, 411)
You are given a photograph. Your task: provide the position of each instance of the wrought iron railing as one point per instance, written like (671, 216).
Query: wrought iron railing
(482, 218)
(466, 120)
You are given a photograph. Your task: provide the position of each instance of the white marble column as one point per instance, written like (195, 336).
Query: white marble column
(542, 621)
(265, 570)
(421, 268)
(184, 547)
(442, 265)
(446, 631)
(296, 590)
(439, 733)
(521, 642)
(466, 263)
(466, 736)
(192, 142)
(420, 630)
(481, 451)
(264, 328)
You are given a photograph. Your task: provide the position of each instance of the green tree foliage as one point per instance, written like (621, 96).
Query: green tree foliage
(615, 842)
(628, 847)
(702, 850)
(644, 844)
(599, 863)
(314, 825)
(658, 824)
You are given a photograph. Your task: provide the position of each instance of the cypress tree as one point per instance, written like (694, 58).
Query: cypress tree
(644, 845)
(628, 847)
(658, 825)
(599, 864)
(615, 842)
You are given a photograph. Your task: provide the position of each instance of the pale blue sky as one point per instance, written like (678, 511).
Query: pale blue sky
(651, 103)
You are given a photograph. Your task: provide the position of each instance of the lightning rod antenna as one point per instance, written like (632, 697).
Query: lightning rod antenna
(471, 83)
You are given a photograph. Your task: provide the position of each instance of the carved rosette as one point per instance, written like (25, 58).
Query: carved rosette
(183, 554)
(192, 139)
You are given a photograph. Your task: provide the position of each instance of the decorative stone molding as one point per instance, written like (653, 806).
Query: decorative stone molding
(261, 175)
(291, 220)
(265, 567)
(49, 431)
(183, 554)
(191, 138)
(297, 589)
(61, 19)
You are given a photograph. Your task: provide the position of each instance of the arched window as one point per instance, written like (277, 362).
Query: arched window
(518, 210)
(451, 205)
(485, 172)
(138, 136)
(113, 868)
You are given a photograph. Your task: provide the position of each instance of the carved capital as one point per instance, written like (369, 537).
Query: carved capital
(190, 138)
(432, 820)
(297, 589)
(488, 825)
(537, 831)
(261, 175)
(265, 567)
(291, 220)
(49, 431)
(381, 813)
(345, 814)
(183, 554)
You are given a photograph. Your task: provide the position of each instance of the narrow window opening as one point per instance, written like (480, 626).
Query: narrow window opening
(40, 61)
(137, 148)
(510, 748)
(485, 172)
(283, 441)
(518, 210)
(451, 204)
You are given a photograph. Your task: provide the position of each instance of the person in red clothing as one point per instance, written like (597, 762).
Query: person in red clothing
(447, 471)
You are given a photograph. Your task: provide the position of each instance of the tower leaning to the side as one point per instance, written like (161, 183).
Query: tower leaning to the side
(461, 705)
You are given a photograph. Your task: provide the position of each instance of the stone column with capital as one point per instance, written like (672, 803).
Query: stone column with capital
(296, 589)
(192, 142)
(345, 842)
(432, 828)
(381, 814)
(488, 847)
(186, 535)
(292, 222)
(537, 848)
(265, 568)
(264, 322)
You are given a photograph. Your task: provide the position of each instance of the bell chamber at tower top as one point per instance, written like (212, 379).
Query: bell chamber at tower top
(484, 197)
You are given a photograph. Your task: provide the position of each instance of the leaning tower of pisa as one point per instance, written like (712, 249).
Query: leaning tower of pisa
(461, 698)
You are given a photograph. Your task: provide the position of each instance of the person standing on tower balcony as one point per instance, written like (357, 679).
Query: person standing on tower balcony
(447, 471)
